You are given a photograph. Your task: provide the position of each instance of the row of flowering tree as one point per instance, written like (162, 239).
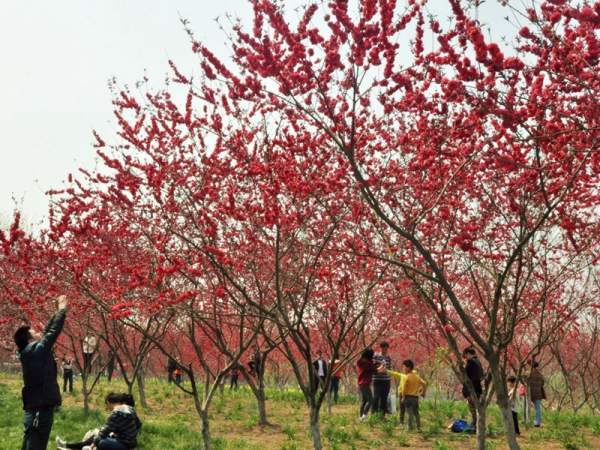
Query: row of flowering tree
(329, 178)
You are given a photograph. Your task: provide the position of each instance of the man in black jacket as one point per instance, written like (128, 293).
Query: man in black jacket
(41, 393)
(320, 369)
(474, 372)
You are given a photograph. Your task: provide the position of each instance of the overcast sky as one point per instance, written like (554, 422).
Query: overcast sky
(56, 59)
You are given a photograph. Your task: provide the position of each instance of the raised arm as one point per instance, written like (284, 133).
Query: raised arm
(55, 325)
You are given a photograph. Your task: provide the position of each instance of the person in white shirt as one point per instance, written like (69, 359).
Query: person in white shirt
(320, 369)
(89, 347)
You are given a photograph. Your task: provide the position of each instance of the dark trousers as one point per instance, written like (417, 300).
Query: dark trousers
(473, 409)
(402, 410)
(381, 390)
(366, 399)
(334, 389)
(516, 422)
(87, 362)
(37, 427)
(68, 380)
(80, 445)
(111, 444)
(234, 382)
(411, 405)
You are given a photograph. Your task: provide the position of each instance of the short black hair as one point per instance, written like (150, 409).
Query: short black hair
(115, 398)
(384, 344)
(408, 363)
(22, 336)
(367, 353)
(469, 351)
(512, 379)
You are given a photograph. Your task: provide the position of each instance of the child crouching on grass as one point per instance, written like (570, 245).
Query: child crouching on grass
(411, 387)
(513, 395)
(120, 431)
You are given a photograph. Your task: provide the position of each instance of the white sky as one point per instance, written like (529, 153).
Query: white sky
(56, 59)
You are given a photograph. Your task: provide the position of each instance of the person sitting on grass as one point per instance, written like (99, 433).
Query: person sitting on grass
(120, 431)
(411, 387)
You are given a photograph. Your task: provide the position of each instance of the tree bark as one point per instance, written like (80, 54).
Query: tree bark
(205, 425)
(262, 407)
(315, 430)
(142, 389)
(481, 424)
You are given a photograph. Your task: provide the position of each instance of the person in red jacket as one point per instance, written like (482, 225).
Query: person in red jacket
(366, 369)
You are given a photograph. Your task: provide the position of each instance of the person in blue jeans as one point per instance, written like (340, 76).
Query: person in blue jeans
(41, 393)
(120, 431)
(535, 383)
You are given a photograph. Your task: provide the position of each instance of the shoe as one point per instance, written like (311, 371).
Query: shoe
(537, 425)
(60, 443)
(363, 418)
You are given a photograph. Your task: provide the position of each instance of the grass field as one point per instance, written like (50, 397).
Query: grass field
(170, 423)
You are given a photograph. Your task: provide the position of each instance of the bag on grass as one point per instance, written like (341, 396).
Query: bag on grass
(461, 426)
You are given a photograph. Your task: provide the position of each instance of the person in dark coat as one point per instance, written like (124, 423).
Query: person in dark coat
(320, 369)
(41, 393)
(474, 372)
(119, 433)
(535, 383)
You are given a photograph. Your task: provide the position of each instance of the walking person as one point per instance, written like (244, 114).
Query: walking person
(382, 382)
(474, 372)
(366, 368)
(535, 384)
(41, 393)
(67, 368)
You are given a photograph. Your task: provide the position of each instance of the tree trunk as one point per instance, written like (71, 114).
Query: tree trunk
(258, 389)
(481, 424)
(205, 430)
(262, 407)
(315, 430)
(86, 394)
(142, 389)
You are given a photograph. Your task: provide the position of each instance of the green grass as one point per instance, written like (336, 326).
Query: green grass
(171, 423)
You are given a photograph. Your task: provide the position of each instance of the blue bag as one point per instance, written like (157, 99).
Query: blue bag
(461, 426)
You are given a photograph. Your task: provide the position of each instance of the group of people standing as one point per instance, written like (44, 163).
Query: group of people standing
(375, 380)
(533, 387)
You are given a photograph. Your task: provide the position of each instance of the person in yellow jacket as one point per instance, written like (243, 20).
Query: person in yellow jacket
(411, 387)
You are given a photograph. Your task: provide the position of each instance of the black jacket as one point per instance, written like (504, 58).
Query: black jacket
(316, 367)
(40, 388)
(475, 374)
(123, 424)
